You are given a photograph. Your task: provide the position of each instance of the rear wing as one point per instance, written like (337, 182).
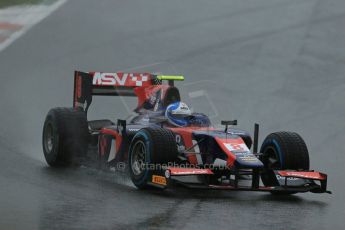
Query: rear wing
(88, 84)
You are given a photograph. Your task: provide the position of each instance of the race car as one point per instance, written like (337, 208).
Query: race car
(166, 144)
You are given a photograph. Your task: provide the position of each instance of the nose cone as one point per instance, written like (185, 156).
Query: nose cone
(238, 153)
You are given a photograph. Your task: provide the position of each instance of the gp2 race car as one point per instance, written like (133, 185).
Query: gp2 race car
(159, 154)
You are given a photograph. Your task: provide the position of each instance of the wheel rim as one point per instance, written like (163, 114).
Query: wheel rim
(272, 158)
(138, 158)
(48, 138)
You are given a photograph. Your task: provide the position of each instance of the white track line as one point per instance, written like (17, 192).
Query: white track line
(36, 19)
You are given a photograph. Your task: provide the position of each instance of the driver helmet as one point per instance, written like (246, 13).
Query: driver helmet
(178, 114)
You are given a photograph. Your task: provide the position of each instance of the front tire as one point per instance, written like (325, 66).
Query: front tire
(282, 151)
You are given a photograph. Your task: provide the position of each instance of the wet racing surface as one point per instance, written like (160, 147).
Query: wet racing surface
(278, 63)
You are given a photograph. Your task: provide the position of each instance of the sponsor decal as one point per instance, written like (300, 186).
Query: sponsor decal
(248, 158)
(307, 175)
(288, 178)
(133, 130)
(181, 171)
(244, 154)
(232, 147)
(119, 79)
(236, 133)
(159, 180)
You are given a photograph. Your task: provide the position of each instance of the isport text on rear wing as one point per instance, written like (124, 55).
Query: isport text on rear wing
(88, 84)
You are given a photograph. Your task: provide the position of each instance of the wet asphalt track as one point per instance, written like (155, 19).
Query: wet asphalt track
(276, 62)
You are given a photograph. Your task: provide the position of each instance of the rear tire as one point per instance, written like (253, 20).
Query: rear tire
(65, 137)
(150, 146)
(280, 151)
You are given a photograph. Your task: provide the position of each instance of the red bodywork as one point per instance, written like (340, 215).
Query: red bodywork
(145, 86)
(305, 175)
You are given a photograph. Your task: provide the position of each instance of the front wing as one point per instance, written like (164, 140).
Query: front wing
(289, 181)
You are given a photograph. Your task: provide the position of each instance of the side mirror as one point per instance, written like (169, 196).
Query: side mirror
(227, 123)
